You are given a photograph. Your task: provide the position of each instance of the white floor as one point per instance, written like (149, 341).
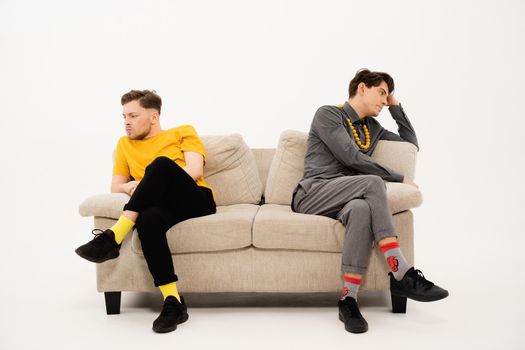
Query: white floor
(48, 300)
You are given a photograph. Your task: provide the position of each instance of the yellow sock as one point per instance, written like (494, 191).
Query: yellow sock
(170, 289)
(122, 228)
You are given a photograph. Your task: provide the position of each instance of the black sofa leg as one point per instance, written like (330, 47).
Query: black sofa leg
(399, 304)
(112, 302)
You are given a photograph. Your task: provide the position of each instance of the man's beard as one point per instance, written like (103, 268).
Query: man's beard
(141, 136)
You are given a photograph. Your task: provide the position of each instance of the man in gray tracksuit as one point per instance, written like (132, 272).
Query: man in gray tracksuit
(341, 181)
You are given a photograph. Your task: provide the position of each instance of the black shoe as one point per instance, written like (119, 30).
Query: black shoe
(103, 247)
(351, 316)
(173, 313)
(415, 286)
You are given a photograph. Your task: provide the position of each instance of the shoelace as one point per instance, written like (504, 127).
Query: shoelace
(420, 278)
(98, 235)
(168, 308)
(353, 309)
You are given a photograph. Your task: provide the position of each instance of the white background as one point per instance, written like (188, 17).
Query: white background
(258, 68)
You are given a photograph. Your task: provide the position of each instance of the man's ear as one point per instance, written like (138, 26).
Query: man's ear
(361, 88)
(155, 117)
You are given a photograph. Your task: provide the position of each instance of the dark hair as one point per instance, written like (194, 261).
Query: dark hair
(146, 98)
(370, 79)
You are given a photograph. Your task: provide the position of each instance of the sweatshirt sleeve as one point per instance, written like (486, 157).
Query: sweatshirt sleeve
(404, 128)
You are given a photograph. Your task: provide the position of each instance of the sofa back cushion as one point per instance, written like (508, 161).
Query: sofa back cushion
(231, 170)
(287, 166)
(263, 158)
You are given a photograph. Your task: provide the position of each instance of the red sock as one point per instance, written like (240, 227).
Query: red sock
(350, 287)
(395, 259)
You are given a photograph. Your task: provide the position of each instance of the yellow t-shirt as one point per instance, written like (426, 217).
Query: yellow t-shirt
(133, 156)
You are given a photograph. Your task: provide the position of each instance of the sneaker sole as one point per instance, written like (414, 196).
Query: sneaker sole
(171, 329)
(356, 330)
(420, 298)
(113, 255)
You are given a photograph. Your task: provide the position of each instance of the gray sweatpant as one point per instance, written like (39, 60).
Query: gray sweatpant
(360, 203)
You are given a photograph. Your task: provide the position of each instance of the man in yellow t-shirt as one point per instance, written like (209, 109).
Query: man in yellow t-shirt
(162, 172)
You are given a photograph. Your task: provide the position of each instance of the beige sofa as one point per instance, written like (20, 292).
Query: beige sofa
(255, 242)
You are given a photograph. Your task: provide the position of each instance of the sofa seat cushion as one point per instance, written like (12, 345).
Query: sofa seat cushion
(229, 228)
(278, 227)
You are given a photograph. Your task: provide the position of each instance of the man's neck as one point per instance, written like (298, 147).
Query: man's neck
(154, 132)
(357, 108)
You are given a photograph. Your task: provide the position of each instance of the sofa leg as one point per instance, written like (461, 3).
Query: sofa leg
(399, 304)
(112, 302)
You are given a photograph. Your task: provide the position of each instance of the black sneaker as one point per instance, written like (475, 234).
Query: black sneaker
(103, 247)
(415, 286)
(172, 314)
(351, 316)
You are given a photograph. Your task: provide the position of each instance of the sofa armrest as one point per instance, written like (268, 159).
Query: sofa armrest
(399, 156)
(108, 205)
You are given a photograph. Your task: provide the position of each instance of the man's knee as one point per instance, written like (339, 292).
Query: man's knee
(160, 162)
(374, 182)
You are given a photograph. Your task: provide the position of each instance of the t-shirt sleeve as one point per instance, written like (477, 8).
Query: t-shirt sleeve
(120, 165)
(190, 141)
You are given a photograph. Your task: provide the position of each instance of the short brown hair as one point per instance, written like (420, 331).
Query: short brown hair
(370, 79)
(146, 98)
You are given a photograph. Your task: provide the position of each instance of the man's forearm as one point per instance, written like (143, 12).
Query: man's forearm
(125, 186)
(405, 129)
(117, 188)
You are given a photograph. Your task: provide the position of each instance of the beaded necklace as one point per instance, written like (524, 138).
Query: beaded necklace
(354, 132)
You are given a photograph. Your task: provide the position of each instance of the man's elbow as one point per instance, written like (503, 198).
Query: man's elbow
(196, 173)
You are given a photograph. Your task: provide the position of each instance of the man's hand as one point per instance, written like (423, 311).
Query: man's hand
(129, 187)
(409, 181)
(391, 100)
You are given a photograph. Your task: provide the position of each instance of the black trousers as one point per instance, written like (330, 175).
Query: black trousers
(165, 196)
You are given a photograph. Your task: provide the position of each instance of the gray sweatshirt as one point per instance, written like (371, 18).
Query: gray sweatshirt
(332, 151)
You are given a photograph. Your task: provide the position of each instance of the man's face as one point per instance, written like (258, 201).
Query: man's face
(138, 120)
(373, 98)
